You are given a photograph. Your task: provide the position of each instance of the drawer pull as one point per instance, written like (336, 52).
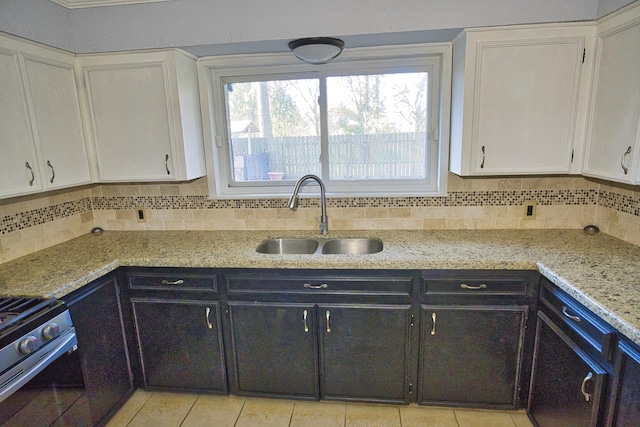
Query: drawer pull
(328, 324)
(310, 286)
(207, 312)
(177, 282)
(624, 156)
(304, 318)
(433, 323)
(570, 316)
(33, 176)
(475, 288)
(586, 379)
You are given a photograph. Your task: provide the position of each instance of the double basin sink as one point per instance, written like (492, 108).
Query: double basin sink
(329, 246)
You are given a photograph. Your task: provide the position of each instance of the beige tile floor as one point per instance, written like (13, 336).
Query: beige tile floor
(192, 410)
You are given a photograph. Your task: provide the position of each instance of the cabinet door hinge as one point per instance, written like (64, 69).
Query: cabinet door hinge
(411, 321)
(584, 54)
(410, 388)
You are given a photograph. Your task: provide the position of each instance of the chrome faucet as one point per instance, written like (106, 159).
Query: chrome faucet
(293, 201)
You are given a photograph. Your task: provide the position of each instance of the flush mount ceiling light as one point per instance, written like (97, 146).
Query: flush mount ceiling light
(316, 50)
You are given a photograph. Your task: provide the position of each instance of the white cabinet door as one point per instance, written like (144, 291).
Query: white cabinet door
(18, 162)
(519, 103)
(145, 116)
(59, 132)
(613, 149)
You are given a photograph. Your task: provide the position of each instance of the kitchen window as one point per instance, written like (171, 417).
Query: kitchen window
(373, 122)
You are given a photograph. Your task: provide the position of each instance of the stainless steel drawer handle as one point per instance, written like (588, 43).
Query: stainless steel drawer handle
(166, 164)
(433, 323)
(328, 324)
(177, 282)
(570, 316)
(207, 313)
(624, 156)
(53, 172)
(304, 318)
(33, 176)
(483, 154)
(310, 286)
(586, 379)
(475, 288)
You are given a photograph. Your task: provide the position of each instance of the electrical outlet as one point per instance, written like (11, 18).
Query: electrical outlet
(141, 214)
(530, 209)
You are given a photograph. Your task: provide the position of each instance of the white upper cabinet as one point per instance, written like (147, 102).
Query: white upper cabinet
(41, 131)
(145, 116)
(519, 99)
(613, 147)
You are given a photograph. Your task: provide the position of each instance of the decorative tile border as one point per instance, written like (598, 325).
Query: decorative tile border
(619, 202)
(31, 218)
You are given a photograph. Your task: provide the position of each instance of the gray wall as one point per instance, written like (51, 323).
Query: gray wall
(258, 25)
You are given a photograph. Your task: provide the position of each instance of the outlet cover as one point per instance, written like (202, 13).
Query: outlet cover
(530, 209)
(141, 214)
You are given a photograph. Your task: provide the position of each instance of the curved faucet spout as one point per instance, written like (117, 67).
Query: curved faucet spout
(293, 201)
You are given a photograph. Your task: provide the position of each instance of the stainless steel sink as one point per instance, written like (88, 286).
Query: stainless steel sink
(288, 246)
(302, 246)
(352, 246)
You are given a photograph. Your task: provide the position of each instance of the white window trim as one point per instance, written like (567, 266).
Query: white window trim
(212, 70)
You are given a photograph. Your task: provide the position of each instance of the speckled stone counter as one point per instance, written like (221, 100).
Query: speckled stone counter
(600, 271)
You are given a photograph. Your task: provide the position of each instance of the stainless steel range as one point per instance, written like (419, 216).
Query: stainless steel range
(35, 333)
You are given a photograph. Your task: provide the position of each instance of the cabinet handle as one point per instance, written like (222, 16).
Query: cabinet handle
(482, 164)
(310, 286)
(53, 172)
(166, 164)
(207, 312)
(475, 288)
(586, 379)
(177, 282)
(304, 318)
(624, 156)
(33, 177)
(328, 324)
(433, 323)
(570, 316)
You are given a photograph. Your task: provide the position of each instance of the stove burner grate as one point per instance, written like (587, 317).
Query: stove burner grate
(16, 310)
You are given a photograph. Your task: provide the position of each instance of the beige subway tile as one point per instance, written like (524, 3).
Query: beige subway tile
(124, 215)
(170, 189)
(154, 225)
(183, 214)
(410, 224)
(193, 224)
(86, 217)
(276, 224)
(434, 224)
(173, 224)
(255, 224)
(243, 214)
(399, 212)
(265, 213)
(388, 224)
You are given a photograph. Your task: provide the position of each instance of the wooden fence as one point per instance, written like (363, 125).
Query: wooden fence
(379, 156)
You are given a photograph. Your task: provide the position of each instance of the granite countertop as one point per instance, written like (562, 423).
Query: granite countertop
(600, 271)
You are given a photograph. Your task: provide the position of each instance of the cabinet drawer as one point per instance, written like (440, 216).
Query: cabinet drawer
(298, 284)
(466, 284)
(172, 279)
(579, 319)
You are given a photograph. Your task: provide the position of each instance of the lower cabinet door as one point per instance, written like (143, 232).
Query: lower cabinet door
(365, 352)
(566, 385)
(97, 316)
(471, 355)
(180, 344)
(626, 388)
(274, 349)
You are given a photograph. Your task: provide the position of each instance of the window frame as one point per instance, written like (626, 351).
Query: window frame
(215, 72)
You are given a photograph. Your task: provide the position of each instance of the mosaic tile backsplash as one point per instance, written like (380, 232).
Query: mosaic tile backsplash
(563, 202)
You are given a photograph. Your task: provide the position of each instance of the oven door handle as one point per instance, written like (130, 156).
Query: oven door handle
(23, 372)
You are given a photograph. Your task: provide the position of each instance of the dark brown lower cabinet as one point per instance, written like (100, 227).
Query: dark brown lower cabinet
(471, 355)
(364, 352)
(97, 316)
(274, 349)
(625, 409)
(180, 344)
(567, 386)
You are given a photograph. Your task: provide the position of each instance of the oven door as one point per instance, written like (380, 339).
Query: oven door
(45, 388)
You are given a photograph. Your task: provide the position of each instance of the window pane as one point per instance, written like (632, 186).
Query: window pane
(274, 129)
(378, 126)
